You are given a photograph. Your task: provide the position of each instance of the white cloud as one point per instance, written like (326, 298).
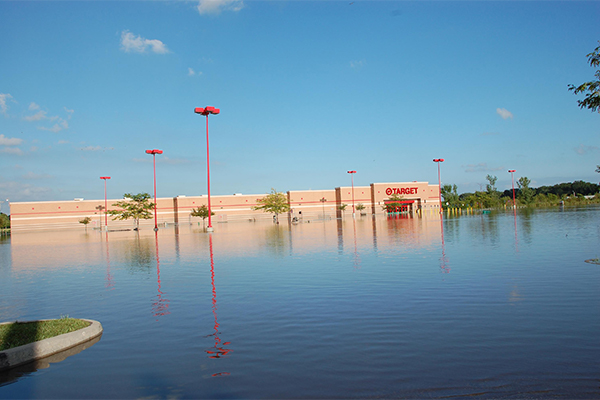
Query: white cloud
(12, 150)
(481, 167)
(138, 44)
(191, 72)
(3, 98)
(504, 113)
(31, 175)
(33, 107)
(69, 112)
(38, 116)
(357, 64)
(96, 148)
(17, 191)
(216, 6)
(4, 141)
(582, 149)
(62, 124)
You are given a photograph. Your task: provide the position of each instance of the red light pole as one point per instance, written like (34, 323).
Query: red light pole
(352, 176)
(105, 202)
(438, 161)
(512, 173)
(154, 153)
(206, 111)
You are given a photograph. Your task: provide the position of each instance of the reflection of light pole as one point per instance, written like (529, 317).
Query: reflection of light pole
(512, 173)
(438, 161)
(323, 200)
(105, 203)
(206, 111)
(352, 175)
(154, 153)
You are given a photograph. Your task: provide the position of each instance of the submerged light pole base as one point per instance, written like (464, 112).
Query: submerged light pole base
(210, 229)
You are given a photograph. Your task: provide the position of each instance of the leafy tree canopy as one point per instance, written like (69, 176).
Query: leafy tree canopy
(201, 212)
(591, 88)
(135, 206)
(4, 221)
(274, 203)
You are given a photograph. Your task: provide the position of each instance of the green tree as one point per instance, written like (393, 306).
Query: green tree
(85, 221)
(450, 195)
(526, 194)
(4, 221)
(342, 207)
(201, 212)
(274, 203)
(135, 206)
(592, 97)
(360, 207)
(393, 203)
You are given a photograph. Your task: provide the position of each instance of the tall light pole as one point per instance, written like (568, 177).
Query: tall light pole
(352, 176)
(512, 173)
(105, 178)
(207, 111)
(154, 153)
(438, 161)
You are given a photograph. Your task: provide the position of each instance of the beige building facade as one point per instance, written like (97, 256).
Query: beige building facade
(417, 197)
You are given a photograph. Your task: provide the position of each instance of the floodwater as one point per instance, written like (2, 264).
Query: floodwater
(491, 306)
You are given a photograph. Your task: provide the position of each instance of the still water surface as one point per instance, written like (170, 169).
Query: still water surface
(374, 308)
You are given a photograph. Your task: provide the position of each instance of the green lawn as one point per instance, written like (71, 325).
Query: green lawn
(20, 333)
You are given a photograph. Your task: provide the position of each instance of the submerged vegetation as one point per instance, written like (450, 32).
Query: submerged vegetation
(573, 193)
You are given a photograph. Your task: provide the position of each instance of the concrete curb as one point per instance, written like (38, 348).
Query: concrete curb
(34, 351)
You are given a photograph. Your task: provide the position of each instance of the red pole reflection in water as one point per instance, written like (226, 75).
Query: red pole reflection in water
(219, 351)
(161, 305)
(444, 260)
(109, 281)
(356, 256)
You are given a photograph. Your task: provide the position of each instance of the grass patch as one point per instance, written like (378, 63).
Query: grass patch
(20, 333)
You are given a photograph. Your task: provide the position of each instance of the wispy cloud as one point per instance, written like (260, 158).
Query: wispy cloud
(216, 6)
(33, 107)
(357, 64)
(96, 148)
(5, 141)
(162, 160)
(17, 191)
(63, 142)
(33, 176)
(12, 150)
(3, 106)
(481, 167)
(138, 44)
(504, 113)
(582, 149)
(38, 116)
(69, 112)
(62, 124)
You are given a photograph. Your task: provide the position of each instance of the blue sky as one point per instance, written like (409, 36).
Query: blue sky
(307, 90)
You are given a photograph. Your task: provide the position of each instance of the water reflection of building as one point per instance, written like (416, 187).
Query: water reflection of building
(416, 197)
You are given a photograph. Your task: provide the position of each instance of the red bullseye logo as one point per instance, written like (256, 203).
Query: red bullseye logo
(389, 191)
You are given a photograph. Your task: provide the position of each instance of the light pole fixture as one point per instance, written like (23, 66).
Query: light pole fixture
(207, 111)
(352, 177)
(438, 161)
(105, 178)
(154, 153)
(512, 173)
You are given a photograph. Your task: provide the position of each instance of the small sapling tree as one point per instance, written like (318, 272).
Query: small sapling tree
(85, 221)
(201, 212)
(135, 206)
(393, 203)
(274, 203)
(360, 207)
